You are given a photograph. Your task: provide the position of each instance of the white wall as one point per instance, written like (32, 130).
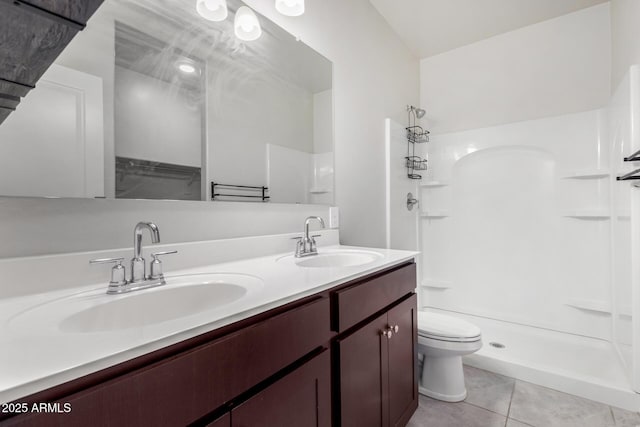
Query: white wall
(625, 35)
(245, 112)
(323, 121)
(38, 227)
(288, 174)
(374, 77)
(555, 67)
(93, 52)
(156, 121)
(63, 154)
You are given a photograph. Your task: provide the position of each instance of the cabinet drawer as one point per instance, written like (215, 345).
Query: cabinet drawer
(302, 398)
(182, 389)
(359, 301)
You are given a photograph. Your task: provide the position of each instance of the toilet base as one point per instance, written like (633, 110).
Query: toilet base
(444, 397)
(442, 378)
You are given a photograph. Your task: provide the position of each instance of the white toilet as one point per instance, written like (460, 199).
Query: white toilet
(442, 341)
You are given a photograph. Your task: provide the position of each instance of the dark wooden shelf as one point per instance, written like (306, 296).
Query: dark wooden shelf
(33, 33)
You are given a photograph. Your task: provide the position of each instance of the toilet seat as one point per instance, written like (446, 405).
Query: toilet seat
(446, 328)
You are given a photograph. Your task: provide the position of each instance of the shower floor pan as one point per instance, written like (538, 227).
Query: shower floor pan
(574, 364)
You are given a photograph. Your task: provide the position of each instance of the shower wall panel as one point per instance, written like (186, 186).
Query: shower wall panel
(516, 224)
(624, 136)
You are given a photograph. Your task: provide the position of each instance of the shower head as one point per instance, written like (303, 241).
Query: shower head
(419, 112)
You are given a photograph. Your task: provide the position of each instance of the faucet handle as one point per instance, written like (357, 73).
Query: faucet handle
(156, 264)
(313, 242)
(118, 260)
(117, 272)
(157, 254)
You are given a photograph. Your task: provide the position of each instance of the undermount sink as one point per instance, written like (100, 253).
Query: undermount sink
(337, 259)
(182, 296)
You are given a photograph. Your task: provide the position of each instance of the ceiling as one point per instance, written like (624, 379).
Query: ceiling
(429, 27)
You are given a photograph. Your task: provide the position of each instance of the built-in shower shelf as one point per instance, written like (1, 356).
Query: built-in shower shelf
(319, 191)
(435, 214)
(436, 284)
(588, 214)
(590, 305)
(588, 174)
(429, 184)
(625, 311)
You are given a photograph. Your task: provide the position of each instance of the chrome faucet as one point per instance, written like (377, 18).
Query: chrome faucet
(139, 278)
(307, 244)
(138, 265)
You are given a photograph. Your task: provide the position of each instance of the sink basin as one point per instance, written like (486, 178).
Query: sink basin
(337, 259)
(182, 296)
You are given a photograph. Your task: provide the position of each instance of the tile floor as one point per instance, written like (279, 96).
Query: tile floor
(497, 401)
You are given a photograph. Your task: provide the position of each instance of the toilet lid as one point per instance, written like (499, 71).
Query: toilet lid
(447, 327)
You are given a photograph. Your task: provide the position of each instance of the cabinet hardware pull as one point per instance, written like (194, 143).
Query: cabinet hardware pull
(388, 332)
(396, 329)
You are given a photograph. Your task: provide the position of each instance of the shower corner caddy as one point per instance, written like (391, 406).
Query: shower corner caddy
(415, 135)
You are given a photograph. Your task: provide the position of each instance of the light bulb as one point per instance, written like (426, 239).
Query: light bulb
(212, 5)
(246, 25)
(212, 10)
(187, 68)
(290, 7)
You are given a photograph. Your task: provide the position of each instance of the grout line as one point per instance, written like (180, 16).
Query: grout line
(513, 390)
(483, 408)
(613, 417)
(521, 422)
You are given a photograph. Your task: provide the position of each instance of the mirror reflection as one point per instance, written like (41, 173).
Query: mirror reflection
(153, 101)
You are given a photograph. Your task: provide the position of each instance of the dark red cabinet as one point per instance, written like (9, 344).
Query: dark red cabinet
(403, 365)
(283, 368)
(377, 371)
(362, 375)
(302, 398)
(224, 421)
(184, 388)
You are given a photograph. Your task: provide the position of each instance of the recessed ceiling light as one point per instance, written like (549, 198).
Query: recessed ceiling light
(187, 68)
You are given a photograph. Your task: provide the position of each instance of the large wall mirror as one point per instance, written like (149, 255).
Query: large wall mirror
(152, 101)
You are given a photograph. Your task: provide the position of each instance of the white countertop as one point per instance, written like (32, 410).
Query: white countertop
(35, 354)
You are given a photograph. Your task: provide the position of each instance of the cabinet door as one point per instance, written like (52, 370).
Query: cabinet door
(403, 372)
(302, 398)
(363, 376)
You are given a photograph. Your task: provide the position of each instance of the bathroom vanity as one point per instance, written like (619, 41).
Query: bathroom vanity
(338, 354)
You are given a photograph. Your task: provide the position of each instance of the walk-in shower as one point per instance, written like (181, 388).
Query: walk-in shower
(525, 232)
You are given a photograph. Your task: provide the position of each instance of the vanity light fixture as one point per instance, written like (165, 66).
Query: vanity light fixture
(212, 10)
(290, 7)
(246, 25)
